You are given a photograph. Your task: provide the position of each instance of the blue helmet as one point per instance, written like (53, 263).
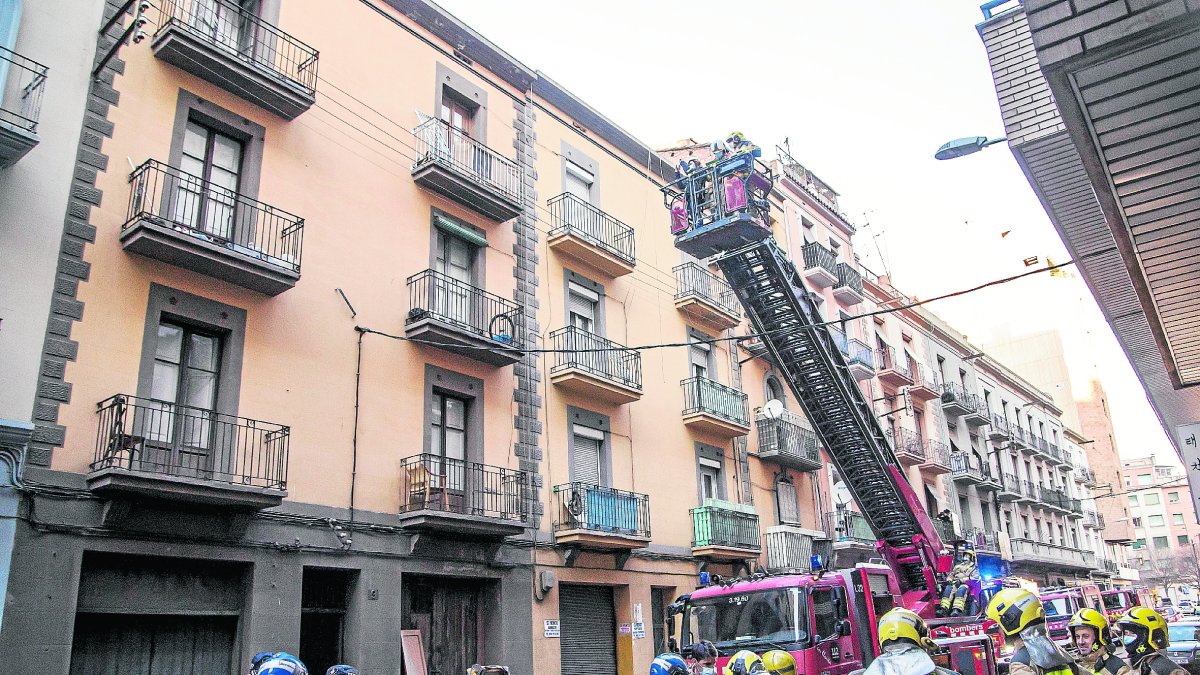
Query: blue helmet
(258, 659)
(669, 664)
(282, 663)
(342, 670)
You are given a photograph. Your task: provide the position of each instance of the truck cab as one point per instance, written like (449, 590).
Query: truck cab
(1061, 603)
(827, 621)
(1117, 601)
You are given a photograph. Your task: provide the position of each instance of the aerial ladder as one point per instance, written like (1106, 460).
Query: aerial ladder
(720, 212)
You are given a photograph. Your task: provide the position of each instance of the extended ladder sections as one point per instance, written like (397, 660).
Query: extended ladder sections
(781, 312)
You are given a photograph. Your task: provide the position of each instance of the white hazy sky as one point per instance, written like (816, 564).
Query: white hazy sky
(865, 91)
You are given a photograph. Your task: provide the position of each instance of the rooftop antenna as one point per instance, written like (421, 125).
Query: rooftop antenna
(875, 238)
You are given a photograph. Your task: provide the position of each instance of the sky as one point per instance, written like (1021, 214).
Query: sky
(864, 92)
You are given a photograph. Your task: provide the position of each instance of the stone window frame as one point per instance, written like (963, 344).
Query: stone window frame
(195, 311)
(598, 422)
(468, 93)
(443, 381)
(478, 266)
(584, 161)
(190, 107)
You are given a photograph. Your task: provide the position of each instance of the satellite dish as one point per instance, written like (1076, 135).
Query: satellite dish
(841, 494)
(773, 409)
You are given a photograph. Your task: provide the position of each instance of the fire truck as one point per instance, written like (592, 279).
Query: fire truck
(1061, 603)
(1117, 601)
(826, 620)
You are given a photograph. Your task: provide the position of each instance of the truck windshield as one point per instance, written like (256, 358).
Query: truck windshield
(1115, 601)
(1058, 608)
(777, 615)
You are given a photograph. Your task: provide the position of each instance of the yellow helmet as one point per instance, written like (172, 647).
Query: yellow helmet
(1090, 618)
(744, 662)
(1149, 632)
(902, 625)
(1015, 609)
(779, 662)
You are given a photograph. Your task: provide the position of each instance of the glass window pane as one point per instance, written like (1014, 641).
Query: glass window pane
(221, 178)
(195, 137)
(435, 409)
(170, 343)
(227, 153)
(1151, 499)
(201, 389)
(456, 444)
(202, 352)
(456, 414)
(165, 381)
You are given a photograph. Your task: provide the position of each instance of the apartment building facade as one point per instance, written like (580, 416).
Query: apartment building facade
(1164, 525)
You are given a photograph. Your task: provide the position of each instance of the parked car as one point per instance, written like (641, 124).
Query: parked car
(1169, 613)
(1186, 607)
(1185, 644)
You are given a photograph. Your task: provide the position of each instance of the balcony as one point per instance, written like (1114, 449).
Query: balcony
(937, 457)
(591, 236)
(1085, 476)
(456, 166)
(601, 518)
(1091, 519)
(713, 408)
(191, 223)
(849, 287)
(924, 387)
(20, 105)
(1010, 488)
(1054, 499)
(966, 469)
(945, 530)
(1021, 440)
(595, 367)
(1029, 552)
(984, 542)
(788, 441)
(956, 400)
(1030, 492)
(225, 45)
(820, 265)
(998, 430)
(790, 549)
(859, 357)
(976, 415)
(891, 371)
(1111, 567)
(1074, 508)
(463, 499)
(459, 318)
(149, 449)
(705, 297)
(849, 529)
(725, 532)
(909, 447)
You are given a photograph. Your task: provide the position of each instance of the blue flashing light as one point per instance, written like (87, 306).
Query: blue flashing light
(816, 563)
(704, 578)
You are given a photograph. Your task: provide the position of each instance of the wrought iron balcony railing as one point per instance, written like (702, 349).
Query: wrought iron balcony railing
(21, 95)
(816, 255)
(702, 395)
(845, 525)
(955, 393)
(907, 443)
(937, 452)
(572, 215)
(945, 530)
(790, 549)
(228, 26)
(596, 508)
(451, 147)
(859, 353)
(1000, 425)
(578, 349)
(849, 277)
(1010, 483)
(885, 359)
(1032, 490)
(431, 482)
(473, 310)
(963, 464)
(787, 435)
(983, 541)
(694, 280)
(170, 198)
(155, 437)
(716, 526)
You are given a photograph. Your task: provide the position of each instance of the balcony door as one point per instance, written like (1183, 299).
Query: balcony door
(456, 299)
(228, 23)
(466, 153)
(206, 197)
(179, 425)
(448, 451)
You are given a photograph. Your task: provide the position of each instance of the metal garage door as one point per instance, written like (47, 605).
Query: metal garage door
(152, 645)
(589, 630)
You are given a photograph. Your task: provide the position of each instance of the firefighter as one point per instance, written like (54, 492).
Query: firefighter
(744, 662)
(905, 647)
(779, 662)
(705, 653)
(1093, 639)
(1145, 638)
(1023, 620)
(282, 663)
(668, 664)
(956, 591)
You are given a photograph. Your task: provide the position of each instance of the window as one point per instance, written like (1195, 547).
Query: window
(215, 159)
(1155, 521)
(186, 370)
(1151, 499)
(456, 112)
(775, 391)
(1137, 522)
(578, 181)
(789, 502)
(225, 21)
(448, 431)
(453, 422)
(1177, 519)
(829, 608)
(588, 455)
(700, 356)
(1139, 544)
(1183, 540)
(1133, 500)
(710, 473)
(1144, 478)
(582, 307)
(1173, 497)
(1161, 542)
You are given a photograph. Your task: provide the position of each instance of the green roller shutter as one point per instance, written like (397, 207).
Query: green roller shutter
(466, 233)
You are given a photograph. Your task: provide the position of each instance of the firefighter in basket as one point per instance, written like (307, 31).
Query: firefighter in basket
(956, 590)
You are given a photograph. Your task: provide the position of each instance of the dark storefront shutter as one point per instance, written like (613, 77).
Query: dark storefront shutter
(589, 630)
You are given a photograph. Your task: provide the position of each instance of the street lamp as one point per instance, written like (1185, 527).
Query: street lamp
(965, 146)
